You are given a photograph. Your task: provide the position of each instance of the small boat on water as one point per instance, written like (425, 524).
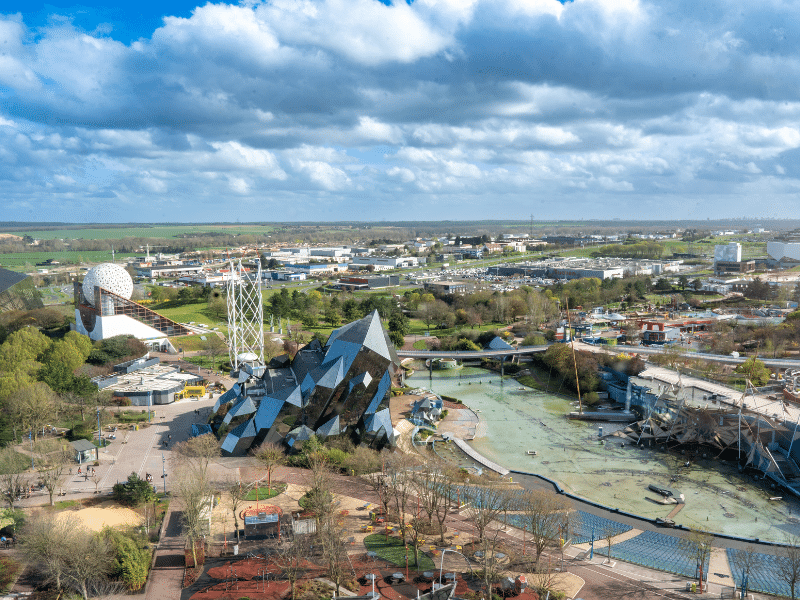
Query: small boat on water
(532, 453)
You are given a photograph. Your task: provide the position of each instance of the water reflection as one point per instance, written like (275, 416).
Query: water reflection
(514, 421)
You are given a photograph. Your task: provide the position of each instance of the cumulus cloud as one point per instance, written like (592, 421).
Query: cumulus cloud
(484, 105)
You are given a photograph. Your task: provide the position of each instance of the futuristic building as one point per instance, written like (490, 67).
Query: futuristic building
(17, 292)
(103, 309)
(338, 389)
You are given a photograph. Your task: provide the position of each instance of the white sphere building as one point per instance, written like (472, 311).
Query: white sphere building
(103, 309)
(110, 277)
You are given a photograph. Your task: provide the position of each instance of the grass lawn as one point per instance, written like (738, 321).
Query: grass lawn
(205, 361)
(197, 312)
(394, 551)
(420, 345)
(264, 493)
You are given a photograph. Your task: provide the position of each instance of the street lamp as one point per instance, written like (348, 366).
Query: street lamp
(164, 472)
(99, 431)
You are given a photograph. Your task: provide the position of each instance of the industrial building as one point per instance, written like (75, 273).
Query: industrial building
(448, 287)
(367, 283)
(579, 268)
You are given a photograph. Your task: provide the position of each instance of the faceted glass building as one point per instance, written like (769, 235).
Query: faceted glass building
(17, 292)
(341, 388)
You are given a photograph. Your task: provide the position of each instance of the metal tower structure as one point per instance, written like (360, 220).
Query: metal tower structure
(245, 316)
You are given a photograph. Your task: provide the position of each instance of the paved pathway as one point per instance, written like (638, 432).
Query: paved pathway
(166, 577)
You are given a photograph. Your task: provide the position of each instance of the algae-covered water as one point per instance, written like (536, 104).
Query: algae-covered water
(514, 420)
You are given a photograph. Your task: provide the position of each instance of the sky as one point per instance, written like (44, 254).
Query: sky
(326, 110)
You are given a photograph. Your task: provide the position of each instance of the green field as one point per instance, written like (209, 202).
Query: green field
(26, 261)
(144, 231)
(191, 312)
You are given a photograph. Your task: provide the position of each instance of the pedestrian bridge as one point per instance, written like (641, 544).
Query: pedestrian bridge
(467, 354)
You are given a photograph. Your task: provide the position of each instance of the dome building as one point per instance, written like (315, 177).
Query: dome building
(104, 309)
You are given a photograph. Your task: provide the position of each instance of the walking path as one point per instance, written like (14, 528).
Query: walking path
(166, 576)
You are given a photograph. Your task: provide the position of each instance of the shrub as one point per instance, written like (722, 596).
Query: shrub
(133, 492)
(132, 559)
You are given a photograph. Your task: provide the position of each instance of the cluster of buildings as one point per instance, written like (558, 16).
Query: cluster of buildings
(565, 268)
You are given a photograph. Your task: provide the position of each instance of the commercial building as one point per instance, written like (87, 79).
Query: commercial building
(318, 268)
(367, 283)
(385, 262)
(448, 287)
(578, 268)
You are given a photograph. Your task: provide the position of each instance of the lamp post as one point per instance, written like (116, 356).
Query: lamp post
(30, 437)
(149, 403)
(164, 472)
(99, 431)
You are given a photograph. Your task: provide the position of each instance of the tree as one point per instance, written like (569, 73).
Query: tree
(755, 370)
(697, 545)
(134, 492)
(194, 494)
(68, 555)
(213, 348)
(271, 456)
(235, 492)
(131, 559)
(745, 561)
(13, 479)
(51, 458)
(35, 406)
(545, 516)
(397, 339)
(683, 281)
(400, 323)
(789, 564)
(196, 453)
(436, 487)
(291, 558)
(486, 504)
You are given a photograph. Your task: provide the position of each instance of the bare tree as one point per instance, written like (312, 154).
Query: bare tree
(271, 456)
(196, 453)
(213, 348)
(291, 559)
(398, 476)
(69, 556)
(51, 458)
(331, 537)
(13, 479)
(745, 561)
(545, 515)
(43, 544)
(235, 494)
(436, 487)
(194, 493)
(789, 563)
(698, 546)
(488, 502)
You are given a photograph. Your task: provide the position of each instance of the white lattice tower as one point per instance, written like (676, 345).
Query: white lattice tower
(245, 315)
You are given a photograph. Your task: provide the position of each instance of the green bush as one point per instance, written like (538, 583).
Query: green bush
(134, 492)
(81, 431)
(131, 559)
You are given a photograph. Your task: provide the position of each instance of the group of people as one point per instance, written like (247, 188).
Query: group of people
(167, 441)
(89, 472)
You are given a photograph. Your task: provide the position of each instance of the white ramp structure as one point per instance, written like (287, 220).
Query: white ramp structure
(245, 317)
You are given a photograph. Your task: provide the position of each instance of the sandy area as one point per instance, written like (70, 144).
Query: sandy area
(113, 515)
